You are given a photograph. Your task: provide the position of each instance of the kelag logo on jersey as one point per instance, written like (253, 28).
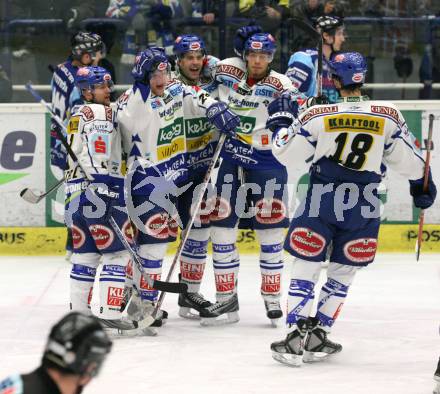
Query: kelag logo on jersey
(171, 140)
(198, 133)
(247, 124)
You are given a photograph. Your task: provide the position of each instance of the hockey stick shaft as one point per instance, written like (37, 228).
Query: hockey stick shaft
(154, 284)
(425, 186)
(60, 122)
(186, 232)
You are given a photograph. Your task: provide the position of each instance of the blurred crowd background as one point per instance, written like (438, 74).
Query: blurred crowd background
(400, 38)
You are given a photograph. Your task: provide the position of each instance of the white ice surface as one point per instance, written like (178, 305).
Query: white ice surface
(388, 328)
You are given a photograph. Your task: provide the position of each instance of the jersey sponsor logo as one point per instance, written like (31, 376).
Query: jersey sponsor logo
(115, 295)
(270, 283)
(273, 82)
(191, 271)
(230, 70)
(380, 109)
(318, 111)
(247, 125)
(196, 127)
(102, 235)
(306, 242)
(102, 126)
(354, 123)
(221, 210)
(156, 103)
(175, 91)
(264, 139)
(99, 144)
(78, 237)
(270, 211)
(72, 128)
(263, 92)
(144, 284)
(157, 225)
(223, 248)
(108, 113)
(87, 113)
(225, 282)
(242, 104)
(171, 140)
(130, 232)
(361, 250)
(168, 113)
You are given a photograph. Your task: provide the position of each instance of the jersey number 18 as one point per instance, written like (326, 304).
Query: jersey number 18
(359, 147)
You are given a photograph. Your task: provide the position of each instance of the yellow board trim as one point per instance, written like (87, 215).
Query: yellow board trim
(40, 241)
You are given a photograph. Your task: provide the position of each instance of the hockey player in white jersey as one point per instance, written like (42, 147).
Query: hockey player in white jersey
(248, 85)
(152, 119)
(350, 143)
(194, 68)
(97, 144)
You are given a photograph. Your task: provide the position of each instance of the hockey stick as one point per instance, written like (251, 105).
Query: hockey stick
(186, 232)
(158, 285)
(311, 31)
(425, 186)
(169, 287)
(29, 196)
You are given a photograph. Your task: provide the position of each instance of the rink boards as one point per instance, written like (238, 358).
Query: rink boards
(35, 229)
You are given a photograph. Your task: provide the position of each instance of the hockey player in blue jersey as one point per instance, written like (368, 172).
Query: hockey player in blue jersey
(247, 173)
(194, 67)
(350, 143)
(302, 65)
(86, 50)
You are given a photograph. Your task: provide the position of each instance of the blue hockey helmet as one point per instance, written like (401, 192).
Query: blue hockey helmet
(260, 42)
(88, 77)
(188, 42)
(147, 62)
(349, 67)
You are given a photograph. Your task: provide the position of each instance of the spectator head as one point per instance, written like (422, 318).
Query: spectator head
(87, 48)
(190, 53)
(77, 345)
(348, 70)
(152, 68)
(332, 30)
(95, 84)
(259, 50)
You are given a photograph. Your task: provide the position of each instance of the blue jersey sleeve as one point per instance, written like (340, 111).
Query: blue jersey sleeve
(301, 71)
(12, 385)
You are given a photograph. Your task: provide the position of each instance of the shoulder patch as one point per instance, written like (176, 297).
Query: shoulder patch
(108, 114)
(273, 82)
(230, 70)
(87, 113)
(315, 111)
(382, 109)
(72, 127)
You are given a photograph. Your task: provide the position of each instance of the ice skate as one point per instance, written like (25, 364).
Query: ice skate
(273, 311)
(192, 301)
(317, 346)
(289, 351)
(223, 312)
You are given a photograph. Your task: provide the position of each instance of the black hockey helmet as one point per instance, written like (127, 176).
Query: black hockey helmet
(328, 24)
(85, 42)
(77, 345)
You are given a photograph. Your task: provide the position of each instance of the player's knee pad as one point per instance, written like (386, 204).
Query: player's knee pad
(82, 276)
(111, 284)
(271, 263)
(193, 258)
(334, 292)
(304, 276)
(151, 257)
(225, 260)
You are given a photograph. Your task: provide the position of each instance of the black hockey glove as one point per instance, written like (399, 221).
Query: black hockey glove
(423, 199)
